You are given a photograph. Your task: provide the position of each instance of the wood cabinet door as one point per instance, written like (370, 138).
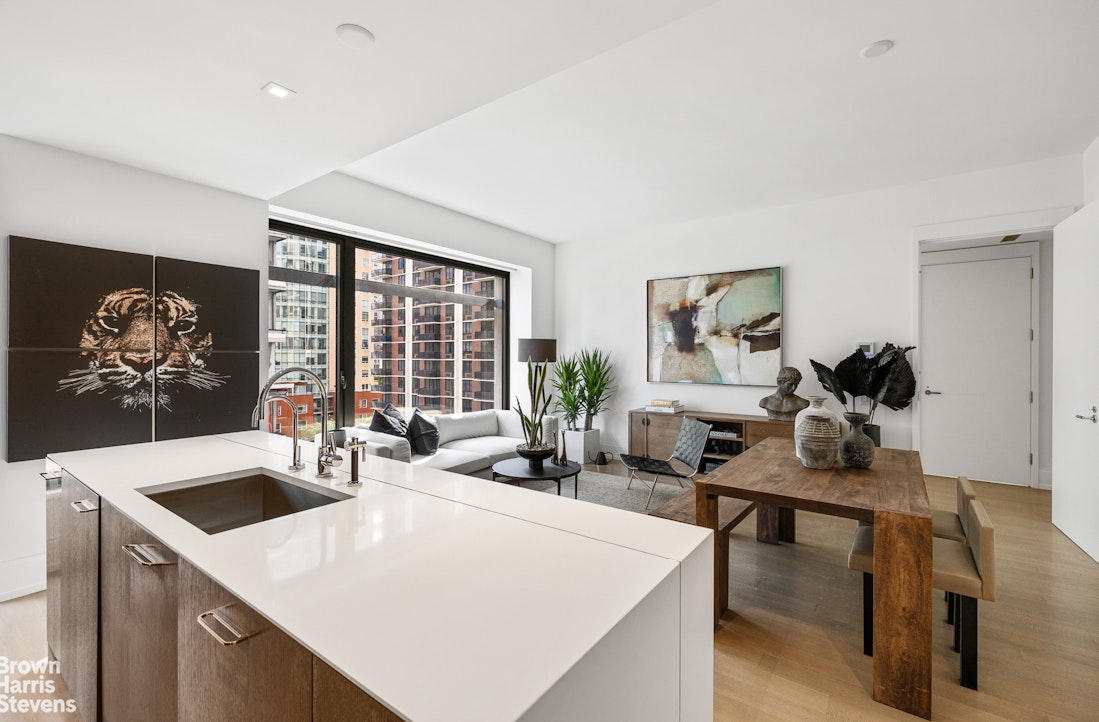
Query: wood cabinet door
(663, 430)
(233, 663)
(638, 430)
(139, 580)
(78, 594)
(757, 431)
(337, 699)
(55, 519)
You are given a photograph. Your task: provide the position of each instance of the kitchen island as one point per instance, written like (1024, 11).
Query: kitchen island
(445, 597)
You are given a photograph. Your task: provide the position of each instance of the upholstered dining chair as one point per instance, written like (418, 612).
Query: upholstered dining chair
(946, 524)
(967, 570)
(690, 443)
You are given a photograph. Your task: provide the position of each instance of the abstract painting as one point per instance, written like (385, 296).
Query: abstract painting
(135, 348)
(718, 328)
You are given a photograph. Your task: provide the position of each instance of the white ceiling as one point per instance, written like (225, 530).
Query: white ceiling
(569, 120)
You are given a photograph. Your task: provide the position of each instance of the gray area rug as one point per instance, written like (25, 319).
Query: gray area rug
(610, 490)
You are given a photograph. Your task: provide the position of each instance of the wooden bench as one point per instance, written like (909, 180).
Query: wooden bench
(730, 512)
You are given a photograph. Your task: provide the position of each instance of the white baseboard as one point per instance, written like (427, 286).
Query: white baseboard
(20, 577)
(1045, 478)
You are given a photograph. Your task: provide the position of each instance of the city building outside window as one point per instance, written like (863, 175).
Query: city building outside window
(418, 332)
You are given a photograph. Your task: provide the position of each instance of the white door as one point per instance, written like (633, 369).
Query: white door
(1076, 378)
(977, 366)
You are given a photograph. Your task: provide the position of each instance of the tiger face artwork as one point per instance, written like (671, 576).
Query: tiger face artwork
(132, 343)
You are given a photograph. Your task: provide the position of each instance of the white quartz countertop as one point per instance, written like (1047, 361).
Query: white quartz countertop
(445, 597)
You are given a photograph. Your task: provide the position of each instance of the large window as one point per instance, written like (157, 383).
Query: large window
(379, 325)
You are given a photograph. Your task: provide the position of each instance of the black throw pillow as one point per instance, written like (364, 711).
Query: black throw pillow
(423, 436)
(389, 421)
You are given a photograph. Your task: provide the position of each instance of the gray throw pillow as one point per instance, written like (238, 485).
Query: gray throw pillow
(423, 435)
(389, 421)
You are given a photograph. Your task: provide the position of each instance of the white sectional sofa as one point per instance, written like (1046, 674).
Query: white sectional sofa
(468, 442)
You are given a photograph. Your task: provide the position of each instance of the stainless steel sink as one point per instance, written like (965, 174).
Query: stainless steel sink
(222, 503)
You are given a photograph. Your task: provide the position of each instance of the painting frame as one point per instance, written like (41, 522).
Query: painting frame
(715, 328)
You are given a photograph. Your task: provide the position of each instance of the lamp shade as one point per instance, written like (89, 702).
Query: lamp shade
(538, 350)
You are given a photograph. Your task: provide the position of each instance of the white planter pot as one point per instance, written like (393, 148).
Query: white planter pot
(581, 446)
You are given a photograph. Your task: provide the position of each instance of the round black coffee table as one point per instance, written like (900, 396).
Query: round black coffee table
(519, 470)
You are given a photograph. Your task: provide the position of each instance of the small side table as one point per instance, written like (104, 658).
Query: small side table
(519, 470)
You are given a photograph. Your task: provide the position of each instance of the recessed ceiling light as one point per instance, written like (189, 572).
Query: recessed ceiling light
(279, 91)
(875, 50)
(355, 36)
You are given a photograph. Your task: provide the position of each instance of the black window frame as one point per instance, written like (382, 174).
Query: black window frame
(348, 347)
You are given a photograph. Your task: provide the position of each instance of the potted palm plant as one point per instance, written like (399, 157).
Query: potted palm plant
(593, 385)
(570, 391)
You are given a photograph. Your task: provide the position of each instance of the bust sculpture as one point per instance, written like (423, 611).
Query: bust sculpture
(783, 405)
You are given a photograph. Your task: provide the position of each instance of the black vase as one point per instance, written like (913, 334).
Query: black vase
(856, 448)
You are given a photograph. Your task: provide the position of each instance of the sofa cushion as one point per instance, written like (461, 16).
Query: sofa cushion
(389, 421)
(494, 448)
(509, 423)
(466, 426)
(422, 434)
(397, 447)
(458, 461)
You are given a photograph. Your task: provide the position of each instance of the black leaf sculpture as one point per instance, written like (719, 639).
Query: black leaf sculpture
(885, 378)
(830, 381)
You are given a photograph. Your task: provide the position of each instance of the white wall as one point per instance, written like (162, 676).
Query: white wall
(358, 204)
(849, 274)
(56, 195)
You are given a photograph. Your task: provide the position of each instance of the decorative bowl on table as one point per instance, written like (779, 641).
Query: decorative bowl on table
(535, 455)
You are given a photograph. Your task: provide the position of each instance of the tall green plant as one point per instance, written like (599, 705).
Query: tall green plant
(885, 378)
(570, 390)
(597, 376)
(539, 405)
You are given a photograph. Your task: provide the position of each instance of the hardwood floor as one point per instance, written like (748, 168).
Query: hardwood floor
(791, 648)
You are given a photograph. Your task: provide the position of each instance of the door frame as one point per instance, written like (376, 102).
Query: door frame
(987, 233)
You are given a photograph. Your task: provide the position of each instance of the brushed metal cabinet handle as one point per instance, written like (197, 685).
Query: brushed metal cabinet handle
(140, 554)
(84, 506)
(237, 636)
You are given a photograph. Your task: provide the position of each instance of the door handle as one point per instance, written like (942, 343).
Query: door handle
(929, 392)
(84, 506)
(1094, 418)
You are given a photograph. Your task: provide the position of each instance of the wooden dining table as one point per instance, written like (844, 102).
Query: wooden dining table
(892, 496)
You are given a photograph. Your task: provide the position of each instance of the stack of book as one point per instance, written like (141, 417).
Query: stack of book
(664, 406)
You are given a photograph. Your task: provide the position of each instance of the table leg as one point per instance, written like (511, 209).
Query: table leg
(902, 612)
(787, 525)
(706, 516)
(775, 524)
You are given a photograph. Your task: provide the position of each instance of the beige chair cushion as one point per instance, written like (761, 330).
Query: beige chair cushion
(982, 541)
(946, 525)
(963, 568)
(965, 495)
(953, 569)
(861, 556)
